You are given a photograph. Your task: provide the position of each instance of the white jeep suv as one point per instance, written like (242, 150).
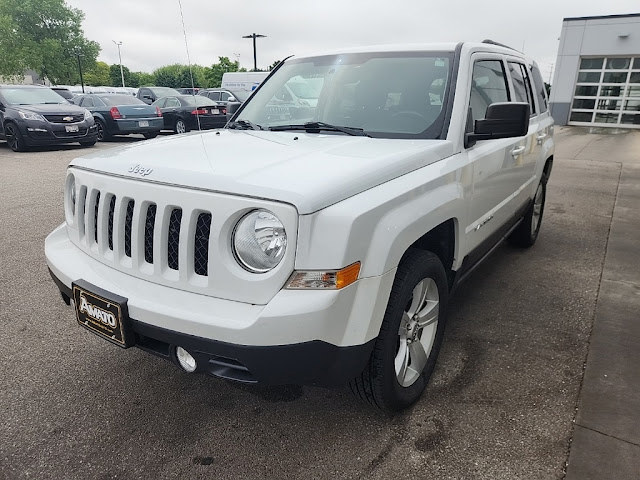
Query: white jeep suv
(315, 242)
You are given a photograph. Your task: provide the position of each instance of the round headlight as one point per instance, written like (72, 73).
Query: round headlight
(259, 241)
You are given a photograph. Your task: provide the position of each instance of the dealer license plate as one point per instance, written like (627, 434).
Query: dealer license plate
(102, 313)
(215, 111)
(71, 128)
(143, 123)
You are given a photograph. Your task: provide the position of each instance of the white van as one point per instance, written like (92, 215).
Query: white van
(243, 81)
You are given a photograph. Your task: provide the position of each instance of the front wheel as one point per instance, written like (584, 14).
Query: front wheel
(526, 234)
(407, 347)
(14, 138)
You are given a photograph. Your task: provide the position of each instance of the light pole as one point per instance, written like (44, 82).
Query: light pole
(119, 44)
(254, 36)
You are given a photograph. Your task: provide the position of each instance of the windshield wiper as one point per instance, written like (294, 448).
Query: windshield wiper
(312, 127)
(244, 125)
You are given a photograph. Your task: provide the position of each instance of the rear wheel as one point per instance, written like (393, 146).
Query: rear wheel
(406, 349)
(102, 131)
(526, 234)
(14, 138)
(180, 126)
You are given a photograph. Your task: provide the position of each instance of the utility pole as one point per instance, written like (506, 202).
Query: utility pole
(254, 36)
(80, 69)
(119, 44)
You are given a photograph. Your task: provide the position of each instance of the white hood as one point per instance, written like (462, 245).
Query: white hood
(309, 171)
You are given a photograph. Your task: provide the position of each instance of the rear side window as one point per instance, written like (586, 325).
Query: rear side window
(87, 102)
(488, 85)
(538, 86)
(522, 85)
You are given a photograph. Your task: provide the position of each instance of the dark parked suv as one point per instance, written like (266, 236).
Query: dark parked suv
(34, 115)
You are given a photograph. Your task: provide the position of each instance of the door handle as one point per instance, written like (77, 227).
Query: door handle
(540, 138)
(517, 151)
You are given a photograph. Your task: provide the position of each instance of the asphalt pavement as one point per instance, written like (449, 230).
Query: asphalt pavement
(537, 377)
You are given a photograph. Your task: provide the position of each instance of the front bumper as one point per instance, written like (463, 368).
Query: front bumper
(299, 337)
(36, 133)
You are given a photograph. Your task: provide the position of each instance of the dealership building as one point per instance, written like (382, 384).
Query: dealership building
(597, 72)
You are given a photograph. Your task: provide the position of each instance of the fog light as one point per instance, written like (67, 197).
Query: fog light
(186, 361)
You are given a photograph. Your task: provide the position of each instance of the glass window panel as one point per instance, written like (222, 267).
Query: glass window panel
(606, 91)
(583, 91)
(618, 63)
(632, 105)
(633, 91)
(591, 63)
(635, 77)
(609, 104)
(538, 83)
(489, 85)
(581, 116)
(584, 103)
(614, 77)
(630, 119)
(588, 77)
(606, 118)
(636, 63)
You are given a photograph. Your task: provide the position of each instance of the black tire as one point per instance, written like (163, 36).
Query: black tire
(14, 137)
(88, 144)
(150, 135)
(379, 383)
(526, 234)
(103, 134)
(180, 126)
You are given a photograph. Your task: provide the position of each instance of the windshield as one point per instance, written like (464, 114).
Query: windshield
(31, 96)
(388, 95)
(240, 95)
(112, 100)
(200, 101)
(163, 91)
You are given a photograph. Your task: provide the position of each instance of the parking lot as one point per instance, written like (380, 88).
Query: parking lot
(501, 405)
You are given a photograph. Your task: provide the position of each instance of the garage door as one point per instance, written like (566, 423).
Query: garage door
(607, 92)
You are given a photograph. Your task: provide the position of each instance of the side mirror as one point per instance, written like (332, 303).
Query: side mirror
(147, 99)
(231, 99)
(502, 120)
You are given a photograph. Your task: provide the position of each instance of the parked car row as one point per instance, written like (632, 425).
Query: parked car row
(38, 115)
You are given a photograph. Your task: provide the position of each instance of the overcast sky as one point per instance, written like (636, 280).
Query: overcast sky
(152, 36)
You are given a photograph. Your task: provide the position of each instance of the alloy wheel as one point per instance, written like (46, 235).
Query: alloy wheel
(417, 332)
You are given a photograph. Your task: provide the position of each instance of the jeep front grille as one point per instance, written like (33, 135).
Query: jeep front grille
(111, 227)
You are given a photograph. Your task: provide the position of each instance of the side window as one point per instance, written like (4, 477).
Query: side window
(539, 88)
(522, 85)
(488, 85)
(172, 102)
(214, 96)
(87, 102)
(224, 96)
(160, 103)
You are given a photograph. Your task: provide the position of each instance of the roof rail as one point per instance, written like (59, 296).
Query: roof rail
(500, 45)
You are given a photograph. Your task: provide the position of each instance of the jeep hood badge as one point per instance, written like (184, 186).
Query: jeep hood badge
(140, 170)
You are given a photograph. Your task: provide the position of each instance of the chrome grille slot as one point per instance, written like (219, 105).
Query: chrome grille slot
(112, 207)
(95, 218)
(173, 238)
(128, 221)
(149, 227)
(201, 244)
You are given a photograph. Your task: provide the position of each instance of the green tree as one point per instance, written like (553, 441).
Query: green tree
(140, 79)
(115, 78)
(177, 76)
(214, 73)
(46, 36)
(98, 75)
(274, 64)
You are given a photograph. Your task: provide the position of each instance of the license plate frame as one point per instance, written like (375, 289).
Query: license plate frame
(143, 123)
(71, 128)
(215, 111)
(103, 313)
